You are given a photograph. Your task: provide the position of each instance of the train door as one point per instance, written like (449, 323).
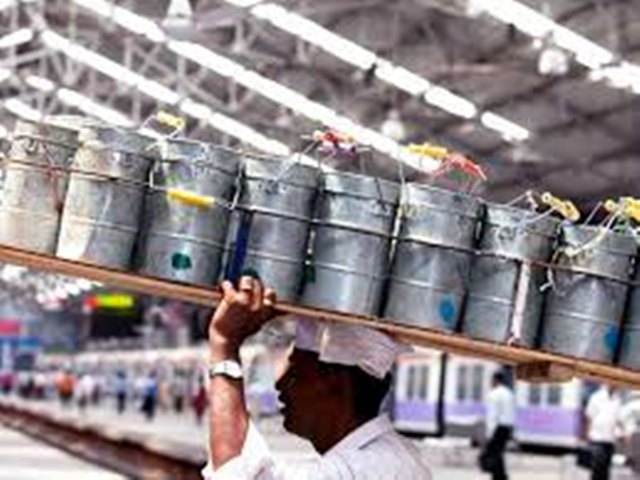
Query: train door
(416, 392)
(468, 383)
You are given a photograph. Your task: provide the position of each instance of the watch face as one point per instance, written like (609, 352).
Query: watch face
(228, 368)
(233, 370)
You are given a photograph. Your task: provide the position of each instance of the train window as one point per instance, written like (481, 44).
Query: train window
(478, 383)
(461, 385)
(424, 382)
(535, 394)
(554, 394)
(411, 383)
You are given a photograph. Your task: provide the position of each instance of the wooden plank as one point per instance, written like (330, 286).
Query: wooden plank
(544, 372)
(457, 344)
(112, 277)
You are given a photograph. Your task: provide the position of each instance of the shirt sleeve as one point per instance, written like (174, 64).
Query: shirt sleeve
(491, 418)
(592, 407)
(254, 462)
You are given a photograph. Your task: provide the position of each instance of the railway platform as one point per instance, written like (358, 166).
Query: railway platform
(181, 435)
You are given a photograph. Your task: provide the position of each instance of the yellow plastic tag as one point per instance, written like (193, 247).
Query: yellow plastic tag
(631, 208)
(627, 206)
(190, 198)
(429, 150)
(611, 205)
(172, 120)
(566, 208)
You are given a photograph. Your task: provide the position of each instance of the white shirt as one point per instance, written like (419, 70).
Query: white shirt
(86, 386)
(374, 451)
(501, 409)
(630, 416)
(603, 412)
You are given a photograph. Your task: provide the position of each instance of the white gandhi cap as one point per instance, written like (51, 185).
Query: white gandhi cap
(353, 345)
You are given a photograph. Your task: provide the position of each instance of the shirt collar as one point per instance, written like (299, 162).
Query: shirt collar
(363, 435)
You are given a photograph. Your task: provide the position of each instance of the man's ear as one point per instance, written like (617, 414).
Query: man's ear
(338, 382)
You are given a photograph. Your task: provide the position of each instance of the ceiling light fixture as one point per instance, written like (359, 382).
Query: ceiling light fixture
(5, 74)
(16, 38)
(179, 15)
(90, 107)
(509, 130)
(22, 110)
(4, 4)
(40, 83)
(393, 127)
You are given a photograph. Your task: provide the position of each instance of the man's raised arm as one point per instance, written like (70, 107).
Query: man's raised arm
(241, 313)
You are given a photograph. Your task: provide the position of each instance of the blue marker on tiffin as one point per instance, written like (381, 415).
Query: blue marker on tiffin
(235, 266)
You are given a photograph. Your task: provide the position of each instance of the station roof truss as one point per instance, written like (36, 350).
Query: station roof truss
(545, 94)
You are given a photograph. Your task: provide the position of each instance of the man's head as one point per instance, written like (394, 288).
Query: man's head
(611, 389)
(499, 378)
(320, 397)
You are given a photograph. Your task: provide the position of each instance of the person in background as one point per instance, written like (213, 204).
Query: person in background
(85, 390)
(139, 385)
(500, 418)
(6, 382)
(332, 389)
(121, 388)
(39, 385)
(164, 393)
(65, 384)
(178, 391)
(98, 388)
(199, 399)
(630, 419)
(602, 417)
(150, 396)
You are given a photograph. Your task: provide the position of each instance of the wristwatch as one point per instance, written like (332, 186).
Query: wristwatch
(228, 368)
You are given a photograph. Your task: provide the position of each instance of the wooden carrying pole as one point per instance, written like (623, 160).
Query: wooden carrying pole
(531, 365)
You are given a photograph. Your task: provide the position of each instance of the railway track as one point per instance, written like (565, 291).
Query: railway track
(136, 458)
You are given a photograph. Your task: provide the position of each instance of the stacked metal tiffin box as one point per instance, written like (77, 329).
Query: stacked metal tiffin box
(351, 242)
(270, 230)
(504, 302)
(35, 186)
(181, 241)
(584, 310)
(104, 202)
(630, 345)
(433, 255)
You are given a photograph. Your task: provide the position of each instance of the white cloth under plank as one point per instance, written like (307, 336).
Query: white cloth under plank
(352, 345)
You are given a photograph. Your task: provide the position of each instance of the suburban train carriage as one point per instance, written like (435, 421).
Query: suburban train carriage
(546, 415)
(417, 390)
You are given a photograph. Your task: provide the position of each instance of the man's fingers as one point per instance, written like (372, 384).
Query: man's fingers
(246, 283)
(268, 304)
(245, 291)
(228, 290)
(256, 301)
(269, 299)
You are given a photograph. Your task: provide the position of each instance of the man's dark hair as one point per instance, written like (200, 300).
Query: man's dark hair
(368, 391)
(500, 378)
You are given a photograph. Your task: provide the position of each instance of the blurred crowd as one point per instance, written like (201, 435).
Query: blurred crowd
(142, 389)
